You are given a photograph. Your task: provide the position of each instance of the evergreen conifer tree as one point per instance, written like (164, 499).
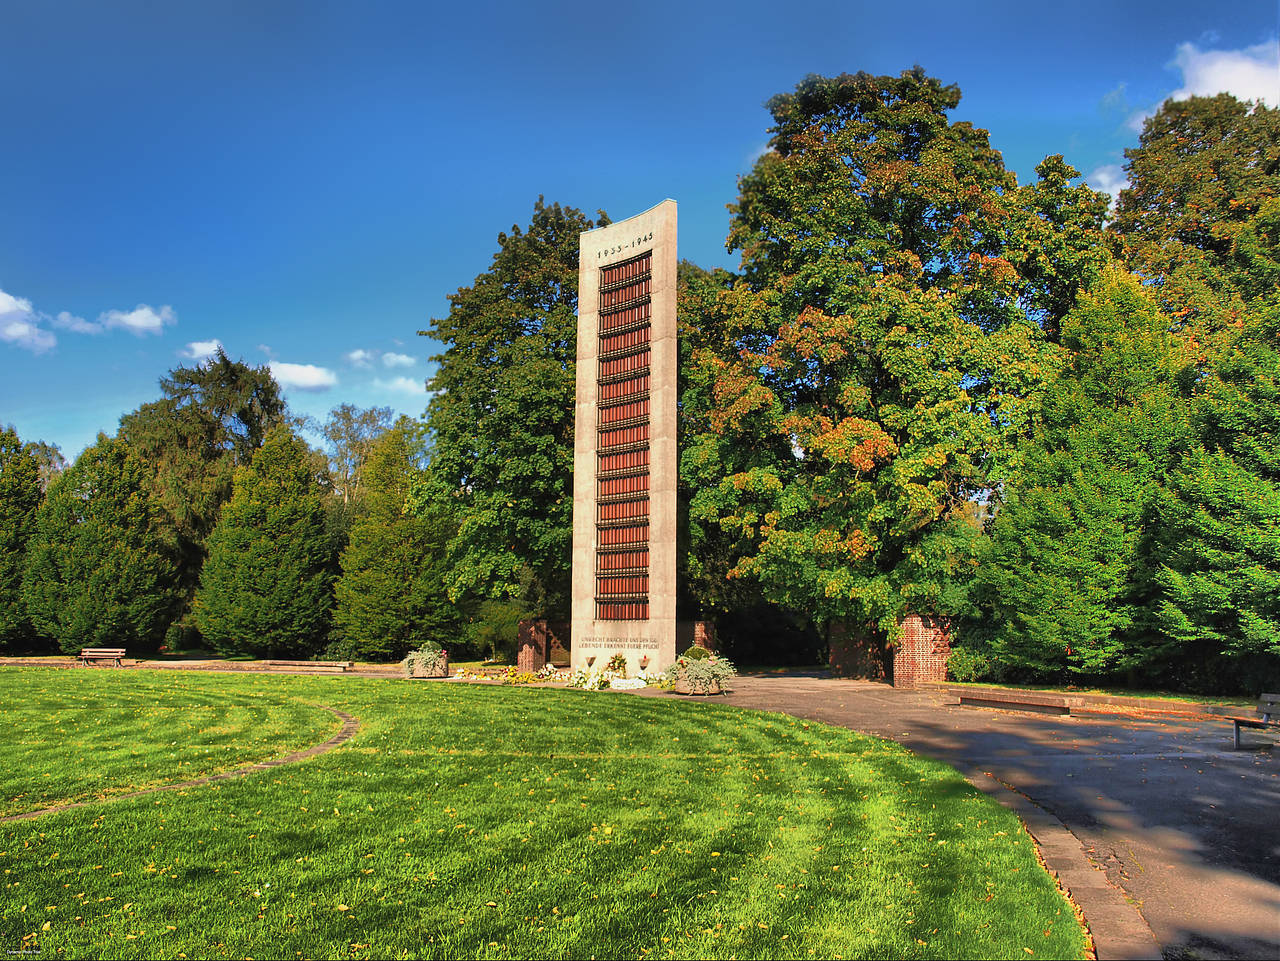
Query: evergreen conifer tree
(266, 586)
(1220, 530)
(20, 496)
(390, 597)
(99, 572)
(1069, 569)
(211, 420)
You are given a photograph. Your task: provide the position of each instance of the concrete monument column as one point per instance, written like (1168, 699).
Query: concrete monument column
(625, 457)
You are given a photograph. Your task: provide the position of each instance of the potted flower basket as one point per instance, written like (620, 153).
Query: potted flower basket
(430, 661)
(697, 671)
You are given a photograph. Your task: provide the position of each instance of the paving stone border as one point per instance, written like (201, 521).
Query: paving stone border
(350, 725)
(1118, 929)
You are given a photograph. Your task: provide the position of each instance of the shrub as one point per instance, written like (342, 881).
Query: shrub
(701, 670)
(428, 660)
(966, 664)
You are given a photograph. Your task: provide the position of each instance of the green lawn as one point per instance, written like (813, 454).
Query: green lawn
(484, 821)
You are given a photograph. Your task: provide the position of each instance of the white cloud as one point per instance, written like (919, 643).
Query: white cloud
(401, 385)
(1110, 179)
(20, 325)
(27, 335)
(1252, 73)
(79, 325)
(360, 358)
(1114, 99)
(202, 349)
(143, 319)
(10, 304)
(391, 359)
(303, 376)
(27, 327)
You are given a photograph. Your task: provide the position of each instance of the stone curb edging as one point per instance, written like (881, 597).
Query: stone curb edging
(1092, 703)
(1118, 929)
(350, 725)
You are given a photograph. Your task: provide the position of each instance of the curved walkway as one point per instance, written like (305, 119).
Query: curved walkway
(350, 725)
(1158, 816)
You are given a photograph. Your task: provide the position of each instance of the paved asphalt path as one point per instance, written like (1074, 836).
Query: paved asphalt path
(1186, 826)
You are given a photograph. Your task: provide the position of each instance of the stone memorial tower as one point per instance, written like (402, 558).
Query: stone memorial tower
(624, 462)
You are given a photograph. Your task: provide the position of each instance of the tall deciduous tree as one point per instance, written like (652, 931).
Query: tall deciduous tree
(864, 383)
(1201, 215)
(20, 495)
(390, 598)
(50, 459)
(98, 570)
(1204, 169)
(501, 416)
(211, 420)
(351, 433)
(266, 587)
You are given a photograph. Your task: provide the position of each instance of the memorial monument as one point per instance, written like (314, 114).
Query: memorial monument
(625, 457)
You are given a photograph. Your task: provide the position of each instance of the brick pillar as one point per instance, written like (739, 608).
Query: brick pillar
(854, 651)
(696, 634)
(531, 646)
(922, 653)
(558, 643)
(704, 636)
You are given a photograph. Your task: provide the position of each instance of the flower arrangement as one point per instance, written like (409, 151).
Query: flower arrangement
(698, 671)
(549, 673)
(589, 680)
(612, 677)
(513, 675)
(431, 660)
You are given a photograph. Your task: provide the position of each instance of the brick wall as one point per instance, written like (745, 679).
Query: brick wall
(531, 646)
(540, 642)
(922, 653)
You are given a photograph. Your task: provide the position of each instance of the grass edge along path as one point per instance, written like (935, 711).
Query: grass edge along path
(345, 733)
(73, 736)
(503, 822)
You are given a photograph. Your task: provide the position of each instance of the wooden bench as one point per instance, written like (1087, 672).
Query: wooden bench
(1268, 715)
(101, 654)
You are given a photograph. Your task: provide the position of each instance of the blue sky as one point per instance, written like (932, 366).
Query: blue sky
(306, 183)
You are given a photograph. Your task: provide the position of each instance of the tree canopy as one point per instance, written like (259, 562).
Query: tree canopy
(864, 382)
(210, 420)
(501, 415)
(21, 493)
(98, 571)
(390, 598)
(266, 586)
